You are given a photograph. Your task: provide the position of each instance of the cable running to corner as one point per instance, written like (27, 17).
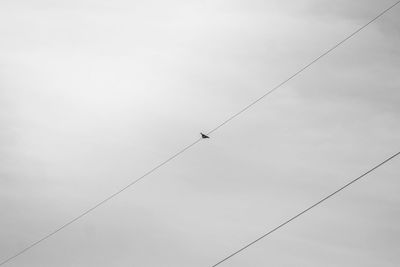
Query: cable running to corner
(100, 203)
(307, 209)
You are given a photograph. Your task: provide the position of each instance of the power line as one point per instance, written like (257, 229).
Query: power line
(100, 203)
(198, 140)
(303, 68)
(307, 209)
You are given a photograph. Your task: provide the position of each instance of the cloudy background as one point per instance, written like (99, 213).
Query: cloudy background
(95, 93)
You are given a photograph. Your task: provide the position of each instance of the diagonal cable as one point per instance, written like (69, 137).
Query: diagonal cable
(100, 203)
(197, 141)
(303, 68)
(307, 209)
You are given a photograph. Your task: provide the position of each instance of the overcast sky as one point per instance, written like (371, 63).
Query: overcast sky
(95, 93)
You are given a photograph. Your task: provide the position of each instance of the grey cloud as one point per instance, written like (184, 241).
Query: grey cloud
(94, 94)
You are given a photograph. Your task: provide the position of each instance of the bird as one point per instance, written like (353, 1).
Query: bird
(204, 136)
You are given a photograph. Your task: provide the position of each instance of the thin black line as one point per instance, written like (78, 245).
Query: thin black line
(101, 202)
(194, 143)
(302, 69)
(307, 209)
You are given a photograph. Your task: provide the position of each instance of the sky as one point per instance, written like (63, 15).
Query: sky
(93, 94)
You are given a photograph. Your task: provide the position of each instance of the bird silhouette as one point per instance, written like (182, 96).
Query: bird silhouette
(204, 136)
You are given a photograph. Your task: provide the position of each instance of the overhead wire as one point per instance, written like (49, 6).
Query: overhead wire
(99, 203)
(102, 202)
(306, 210)
(303, 68)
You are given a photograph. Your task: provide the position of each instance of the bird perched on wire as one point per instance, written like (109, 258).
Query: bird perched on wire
(204, 136)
